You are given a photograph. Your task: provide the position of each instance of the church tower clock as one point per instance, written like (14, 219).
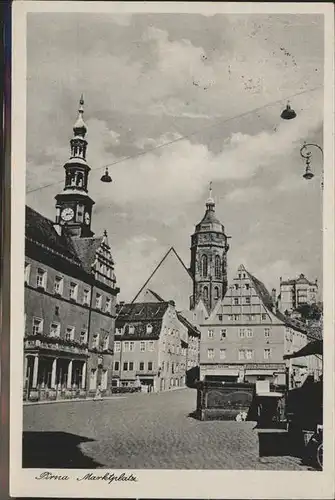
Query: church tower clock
(73, 204)
(209, 247)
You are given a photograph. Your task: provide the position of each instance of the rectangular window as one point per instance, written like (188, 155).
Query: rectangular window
(241, 333)
(55, 330)
(95, 341)
(248, 301)
(249, 333)
(106, 343)
(58, 285)
(142, 346)
(125, 366)
(220, 317)
(141, 366)
(263, 317)
(236, 301)
(230, 317)
(266, 332)
(83, 337)
(210, 334)
(222, 353)
(37, 326)
(108, 308)
(223, 333)
(267, 353)
(69, 334)
(73, 291)
(131, 366)
(241, 354)
(126, 346)
(247, 286)
(27, 268)
(98, 301)
(150, 366)
(236, 317)
(116, 366)
(151, 346)
(210, 353)
(86, 297)
(249, 353)
(41, 278)
(117, 346)
(131, 346)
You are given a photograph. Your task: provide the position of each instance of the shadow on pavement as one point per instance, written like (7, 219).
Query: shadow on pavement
(56, 450)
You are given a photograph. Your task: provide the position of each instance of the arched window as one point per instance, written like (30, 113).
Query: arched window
(205, 292)
(216, 293)
(217, 267)
(80, 179)
(204, 266)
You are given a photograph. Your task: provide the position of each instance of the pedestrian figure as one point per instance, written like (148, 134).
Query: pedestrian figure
(98, 393)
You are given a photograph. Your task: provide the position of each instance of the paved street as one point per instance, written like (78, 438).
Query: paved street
(141, 431)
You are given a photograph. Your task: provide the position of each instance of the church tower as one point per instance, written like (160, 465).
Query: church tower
(73, 205)
(209, 249)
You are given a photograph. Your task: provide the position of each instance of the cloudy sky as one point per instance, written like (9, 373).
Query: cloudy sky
(215, 86)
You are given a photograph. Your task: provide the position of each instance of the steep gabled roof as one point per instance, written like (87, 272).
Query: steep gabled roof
(139, 316)
(262, 291)
(41, 230)
(141, 311)
(86, 249)
(189, 325)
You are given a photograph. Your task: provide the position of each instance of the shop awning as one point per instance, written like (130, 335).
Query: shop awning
(312, 348)
(259, 372)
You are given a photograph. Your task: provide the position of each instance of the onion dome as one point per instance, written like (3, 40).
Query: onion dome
(79, 127)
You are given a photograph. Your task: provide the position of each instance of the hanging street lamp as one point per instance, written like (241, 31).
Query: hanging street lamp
(288, 113)
(106, 177)
(307, 155)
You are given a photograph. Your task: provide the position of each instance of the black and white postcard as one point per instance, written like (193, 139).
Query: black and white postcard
(172, 250)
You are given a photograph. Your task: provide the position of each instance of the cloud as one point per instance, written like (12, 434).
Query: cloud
(148, 80)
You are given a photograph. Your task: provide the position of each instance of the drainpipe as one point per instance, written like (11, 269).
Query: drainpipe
(89, 338)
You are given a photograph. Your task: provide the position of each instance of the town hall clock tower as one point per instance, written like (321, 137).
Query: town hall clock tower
(209, 247)
(73, 204)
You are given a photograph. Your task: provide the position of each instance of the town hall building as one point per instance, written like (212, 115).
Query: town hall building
(70, 291)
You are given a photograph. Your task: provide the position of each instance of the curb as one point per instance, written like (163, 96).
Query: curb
(77, 400)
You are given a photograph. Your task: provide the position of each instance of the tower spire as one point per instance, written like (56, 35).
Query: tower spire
(79, 128)
(210, 203)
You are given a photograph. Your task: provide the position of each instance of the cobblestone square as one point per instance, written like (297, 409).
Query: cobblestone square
(141, 431)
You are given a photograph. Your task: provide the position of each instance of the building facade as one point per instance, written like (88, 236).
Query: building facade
(208, 267)
(70, 293)
(245, 337)
(296, 292)
(152, 346)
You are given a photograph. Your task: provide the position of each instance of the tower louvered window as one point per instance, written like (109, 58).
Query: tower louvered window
(217, 267)
(204, 266)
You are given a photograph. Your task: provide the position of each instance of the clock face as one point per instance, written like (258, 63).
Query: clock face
(67, 214)
(87, 218)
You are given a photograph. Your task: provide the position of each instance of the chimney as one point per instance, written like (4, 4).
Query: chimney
(274, 296)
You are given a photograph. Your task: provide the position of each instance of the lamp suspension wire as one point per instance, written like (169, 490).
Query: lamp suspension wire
(187, 136)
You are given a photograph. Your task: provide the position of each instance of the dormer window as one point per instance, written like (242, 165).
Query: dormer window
(149, 329)
(131, 329)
